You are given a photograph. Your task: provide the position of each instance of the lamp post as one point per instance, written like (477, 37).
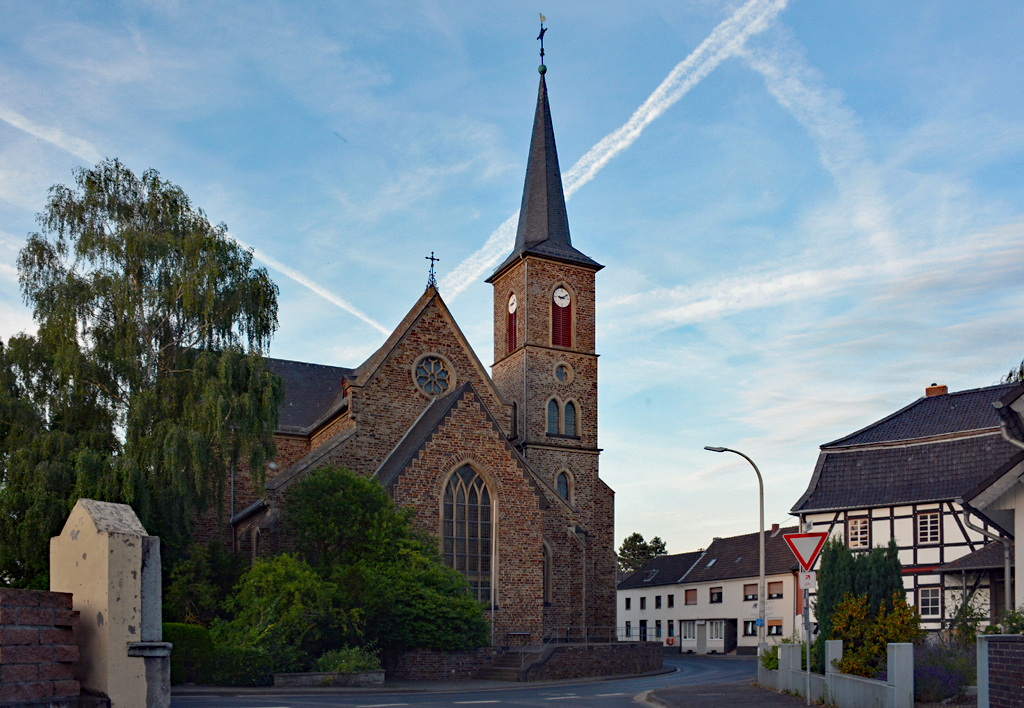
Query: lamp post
(761, 644)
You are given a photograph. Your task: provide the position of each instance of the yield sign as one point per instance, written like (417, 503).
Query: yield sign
(806, 546)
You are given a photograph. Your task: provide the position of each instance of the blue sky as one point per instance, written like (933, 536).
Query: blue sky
(815, 212)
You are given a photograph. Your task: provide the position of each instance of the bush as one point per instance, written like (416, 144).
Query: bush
(348, 660)
(770, 658)
(196, 659)
(943, 671)
(197, 586)
(865, 639)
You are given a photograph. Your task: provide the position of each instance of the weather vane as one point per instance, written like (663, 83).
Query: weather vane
(540, 36)
(431, 280)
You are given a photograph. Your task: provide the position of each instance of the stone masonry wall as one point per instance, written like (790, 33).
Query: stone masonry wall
(1006, 671)
(37, 649)
(614, 659)
(430, 665)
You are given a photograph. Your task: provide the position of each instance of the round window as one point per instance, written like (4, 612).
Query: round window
(432, 376)
(563, 372)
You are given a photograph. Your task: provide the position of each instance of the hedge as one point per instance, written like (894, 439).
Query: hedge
(196, 659)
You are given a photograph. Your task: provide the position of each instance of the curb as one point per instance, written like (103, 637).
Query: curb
(201, 691)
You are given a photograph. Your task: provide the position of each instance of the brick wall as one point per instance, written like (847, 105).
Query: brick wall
(37, 650)
(1005, 671)
(430, 665)
(616, 659)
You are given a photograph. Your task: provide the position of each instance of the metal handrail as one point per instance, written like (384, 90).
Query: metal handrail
(573, 634)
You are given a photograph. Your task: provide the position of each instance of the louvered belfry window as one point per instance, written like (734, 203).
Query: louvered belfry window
(561, 324)
(467, 530)
(510, 329)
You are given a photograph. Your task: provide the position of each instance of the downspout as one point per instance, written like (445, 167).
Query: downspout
(1007, 578)
(1009, 438)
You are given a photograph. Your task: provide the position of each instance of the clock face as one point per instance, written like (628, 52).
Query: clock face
(512, 304)
(561, 297)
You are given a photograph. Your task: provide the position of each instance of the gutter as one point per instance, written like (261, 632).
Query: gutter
(248, 512)
(1007, 577)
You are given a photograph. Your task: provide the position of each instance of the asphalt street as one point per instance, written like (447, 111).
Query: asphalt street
(690, 671)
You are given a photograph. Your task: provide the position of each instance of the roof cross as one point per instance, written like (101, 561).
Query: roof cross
(540, 36)
(431, 280)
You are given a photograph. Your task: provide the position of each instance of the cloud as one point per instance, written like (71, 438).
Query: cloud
(76, 146)
(724, 41)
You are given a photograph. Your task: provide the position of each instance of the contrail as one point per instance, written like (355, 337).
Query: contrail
(76, 146)
(726, 40)
(316, 287)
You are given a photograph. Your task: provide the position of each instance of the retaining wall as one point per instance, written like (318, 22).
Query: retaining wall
(615, 659)
(430, 665)
(37, 649)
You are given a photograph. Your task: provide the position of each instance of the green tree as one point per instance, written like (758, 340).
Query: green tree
(144, 383)
(349, 528)
(1016, 375)
(635, 552)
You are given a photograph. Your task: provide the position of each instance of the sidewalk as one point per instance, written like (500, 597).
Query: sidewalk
(738, 694)
(189, 690)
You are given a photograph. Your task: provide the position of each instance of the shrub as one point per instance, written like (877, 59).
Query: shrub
(943, 670)
(770, 658)
(348, 660)
(198, 585)
(192, 651)
(196, 659)
(865, 639)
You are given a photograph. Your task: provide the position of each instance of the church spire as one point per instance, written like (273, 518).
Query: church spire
(543, 224)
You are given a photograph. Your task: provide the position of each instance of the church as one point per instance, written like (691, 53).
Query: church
(501, 468)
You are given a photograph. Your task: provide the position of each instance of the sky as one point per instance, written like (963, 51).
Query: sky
(808, 211)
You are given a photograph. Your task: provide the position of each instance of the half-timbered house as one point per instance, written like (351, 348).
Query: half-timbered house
(900, 478)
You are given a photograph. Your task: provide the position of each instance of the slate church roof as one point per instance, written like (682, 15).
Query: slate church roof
(310, 390)
(937, 448)
(543, 224)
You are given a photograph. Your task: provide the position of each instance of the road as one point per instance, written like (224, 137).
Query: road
(690, 671)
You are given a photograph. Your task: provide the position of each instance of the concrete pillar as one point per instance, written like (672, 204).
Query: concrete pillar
(790, 653)
(900, 673)
(105, 558)
(833, 652)
(982, 658)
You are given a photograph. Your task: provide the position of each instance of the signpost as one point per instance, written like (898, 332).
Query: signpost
(806, 547)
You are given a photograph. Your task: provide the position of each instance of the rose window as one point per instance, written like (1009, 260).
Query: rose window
(432, 376)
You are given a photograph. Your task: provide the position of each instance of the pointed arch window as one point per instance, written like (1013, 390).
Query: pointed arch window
(515, 421)
(467, 530)
(553, 417)
(562, 484)
(561, 318)
(510, 324)
(570, 418)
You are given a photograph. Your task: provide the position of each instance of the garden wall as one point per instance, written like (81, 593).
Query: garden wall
(1000, 671)
(37, 649)
(616, 659)
(431, 665)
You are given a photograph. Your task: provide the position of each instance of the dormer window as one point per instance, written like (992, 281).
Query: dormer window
(649, 575)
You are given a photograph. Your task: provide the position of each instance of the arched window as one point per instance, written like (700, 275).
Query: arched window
(547, 573)
(562, 484)
(561, 318)
(510, 323)
(552, 417)
(515, 420)
(467, 530)
(570, 418)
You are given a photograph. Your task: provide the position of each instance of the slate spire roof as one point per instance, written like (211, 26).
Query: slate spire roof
(543, 224)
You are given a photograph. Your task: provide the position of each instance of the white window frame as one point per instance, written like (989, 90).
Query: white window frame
(929, 599)
(929, 528)
(861, 539)
(716, 629)
(688, 630)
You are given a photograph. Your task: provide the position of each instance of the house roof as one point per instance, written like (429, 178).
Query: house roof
(738, 557)
(725, 559)
(667, 570)
(309, 392)
(948, 414)
(883, 476)
(937, 448)
(543, 223)
(986, 558)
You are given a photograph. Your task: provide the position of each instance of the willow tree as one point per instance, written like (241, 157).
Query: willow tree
(144, 383)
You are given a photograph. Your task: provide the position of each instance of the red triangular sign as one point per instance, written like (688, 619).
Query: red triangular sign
(806, 546)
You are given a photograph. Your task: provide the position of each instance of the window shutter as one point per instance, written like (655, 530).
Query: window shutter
(510, 332)
(561, 324)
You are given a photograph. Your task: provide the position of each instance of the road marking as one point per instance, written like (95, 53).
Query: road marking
(381, 705)
(561, 698)
(466, 703)
(605, 695)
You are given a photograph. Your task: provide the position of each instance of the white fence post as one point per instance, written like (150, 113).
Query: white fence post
(982, 653)
(900, 673)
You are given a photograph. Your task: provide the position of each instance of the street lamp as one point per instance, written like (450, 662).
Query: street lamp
(761, 644)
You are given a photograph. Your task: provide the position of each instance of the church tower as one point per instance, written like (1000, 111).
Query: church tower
(545, 363)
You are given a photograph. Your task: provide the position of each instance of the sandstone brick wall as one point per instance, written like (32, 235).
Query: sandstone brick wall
(430, 665)
(37, 650)
(1006, 671)
(614, 659)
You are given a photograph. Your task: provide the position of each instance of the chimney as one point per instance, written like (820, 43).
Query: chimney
(935, 390)
(775, 529)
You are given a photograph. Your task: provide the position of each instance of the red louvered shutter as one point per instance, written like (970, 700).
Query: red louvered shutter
(510, 332)
(561, 325)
